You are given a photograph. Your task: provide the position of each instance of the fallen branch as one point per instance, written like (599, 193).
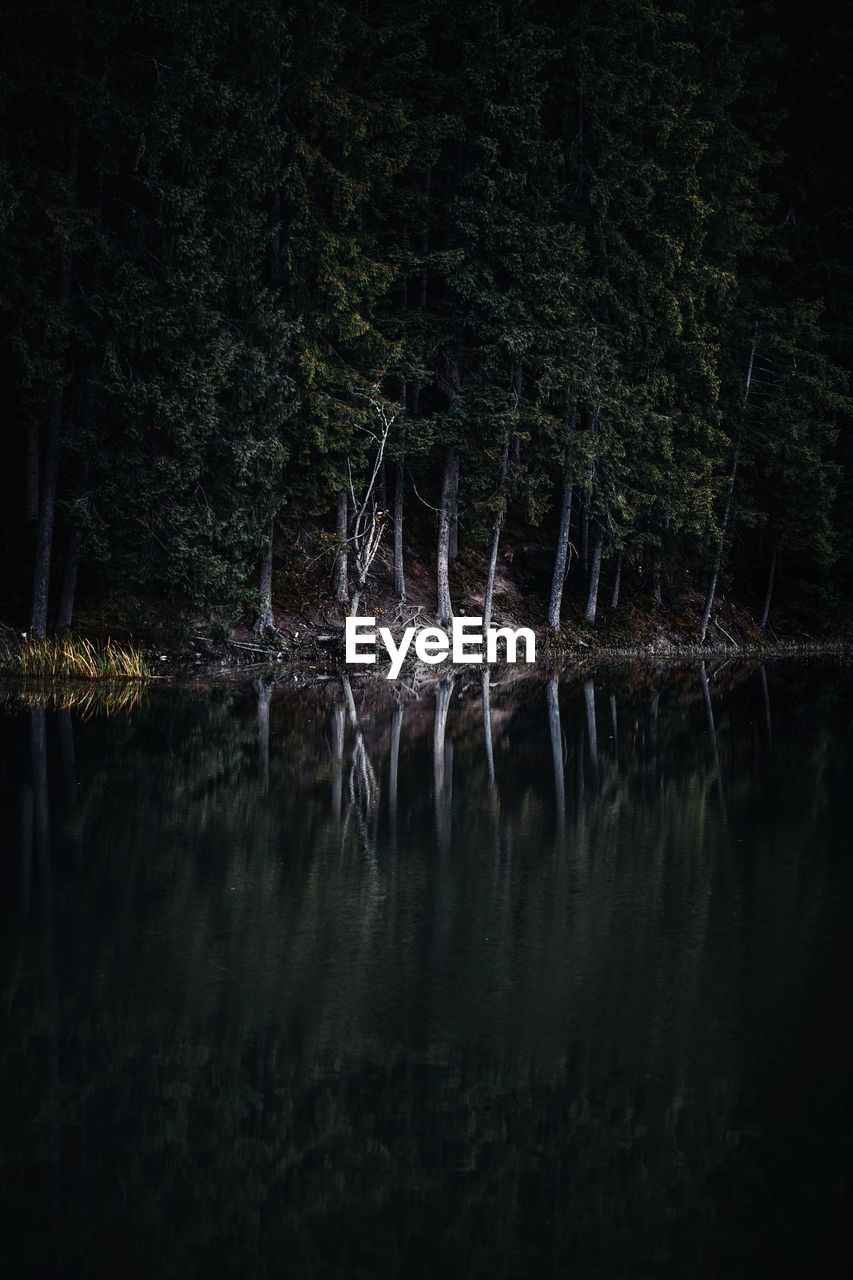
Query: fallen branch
(726, 634)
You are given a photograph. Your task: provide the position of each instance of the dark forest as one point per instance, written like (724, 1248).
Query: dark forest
(336, 281)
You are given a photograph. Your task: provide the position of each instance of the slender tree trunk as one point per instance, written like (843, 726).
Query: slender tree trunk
(594, 576)
(656, 576)
(617, 582)
(341, 574)
(68, 592)
(496, 538)
(453, 534)
(449, 484)
(561, 558)
(265, 620)
(50, 476)
(383, 488)
(31, 490)
(765, 612)
(490, 574)
(47, 516)
(399, 575)
(584, 505)
(718, 558)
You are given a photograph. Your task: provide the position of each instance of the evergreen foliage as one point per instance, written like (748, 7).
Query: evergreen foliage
(555, 236)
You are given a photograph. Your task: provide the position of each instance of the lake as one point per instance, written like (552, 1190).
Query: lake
(543, 977)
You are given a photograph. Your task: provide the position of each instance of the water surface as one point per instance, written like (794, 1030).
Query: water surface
(542, 978)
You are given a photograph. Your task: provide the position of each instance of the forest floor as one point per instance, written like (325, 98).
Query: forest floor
(309, 624)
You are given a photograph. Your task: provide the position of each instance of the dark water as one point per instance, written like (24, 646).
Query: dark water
(283, 997)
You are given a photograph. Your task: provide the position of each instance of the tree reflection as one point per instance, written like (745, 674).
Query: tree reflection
(442, 755)
(236, 1032)
(553, 696)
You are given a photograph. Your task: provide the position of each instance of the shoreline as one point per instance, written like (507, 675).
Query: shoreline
(563, 659)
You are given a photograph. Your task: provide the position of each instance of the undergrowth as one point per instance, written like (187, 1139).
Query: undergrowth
(74, 658)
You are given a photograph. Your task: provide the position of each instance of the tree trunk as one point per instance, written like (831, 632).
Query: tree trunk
(341, 574)
(584, 505)
(449, 482)
(69, 581)
(31, 490)
(383, 488)
(765, 612)
(561, 558)
(453, 535)
(399, 575)
(594, 575)
(496, 539)
(656, 576)
(718, 558)
(265, 620)
(47, 516)
(47, 505)
(617, 583)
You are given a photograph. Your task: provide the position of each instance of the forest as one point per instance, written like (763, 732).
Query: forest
(364, 283)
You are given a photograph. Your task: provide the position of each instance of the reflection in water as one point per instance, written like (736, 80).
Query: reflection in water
(765, 692)
(394, 769)
(486, 684)
(539, 1006)
(553, 695)
(442, 763)
(591, 727)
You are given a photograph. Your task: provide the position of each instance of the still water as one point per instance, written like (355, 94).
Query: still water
(540, 978)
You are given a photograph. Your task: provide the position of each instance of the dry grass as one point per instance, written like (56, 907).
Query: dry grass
(73, 658)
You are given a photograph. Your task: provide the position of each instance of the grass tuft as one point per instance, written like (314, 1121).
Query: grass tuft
(73, 658)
